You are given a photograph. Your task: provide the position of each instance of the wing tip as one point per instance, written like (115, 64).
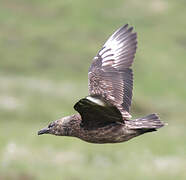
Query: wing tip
(128, 28)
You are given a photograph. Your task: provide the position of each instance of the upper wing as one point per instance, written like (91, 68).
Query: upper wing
(110, 75)
(96, 112)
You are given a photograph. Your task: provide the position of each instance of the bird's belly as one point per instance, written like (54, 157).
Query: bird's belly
(114, 134)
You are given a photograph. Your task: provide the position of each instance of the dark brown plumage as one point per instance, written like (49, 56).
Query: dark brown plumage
(103, 116)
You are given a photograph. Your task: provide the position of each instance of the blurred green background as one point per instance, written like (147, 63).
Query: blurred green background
(46, 48)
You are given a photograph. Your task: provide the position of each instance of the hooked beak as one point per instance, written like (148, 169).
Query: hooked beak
(43, 131)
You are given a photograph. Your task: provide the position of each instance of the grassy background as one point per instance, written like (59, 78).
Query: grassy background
(46, 49)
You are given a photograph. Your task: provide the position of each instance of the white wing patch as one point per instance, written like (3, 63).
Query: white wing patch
(96, 100)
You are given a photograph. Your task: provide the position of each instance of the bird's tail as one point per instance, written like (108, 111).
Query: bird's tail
(147, 124)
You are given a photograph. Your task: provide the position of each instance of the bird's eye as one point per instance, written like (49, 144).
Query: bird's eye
(51, 125)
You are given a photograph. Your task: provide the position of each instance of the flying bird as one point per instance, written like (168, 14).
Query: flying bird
(103, 116)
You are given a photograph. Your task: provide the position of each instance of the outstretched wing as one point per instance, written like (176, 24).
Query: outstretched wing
(97, 112)
(110, 75)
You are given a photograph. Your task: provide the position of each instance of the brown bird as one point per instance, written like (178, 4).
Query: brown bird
(103, 116)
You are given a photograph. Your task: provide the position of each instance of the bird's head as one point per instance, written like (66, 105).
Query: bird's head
(60, 127)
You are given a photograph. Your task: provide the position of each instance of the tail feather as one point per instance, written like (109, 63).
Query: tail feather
(148, 123)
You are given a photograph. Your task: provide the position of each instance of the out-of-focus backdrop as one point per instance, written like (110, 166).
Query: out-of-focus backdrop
(46, 48)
